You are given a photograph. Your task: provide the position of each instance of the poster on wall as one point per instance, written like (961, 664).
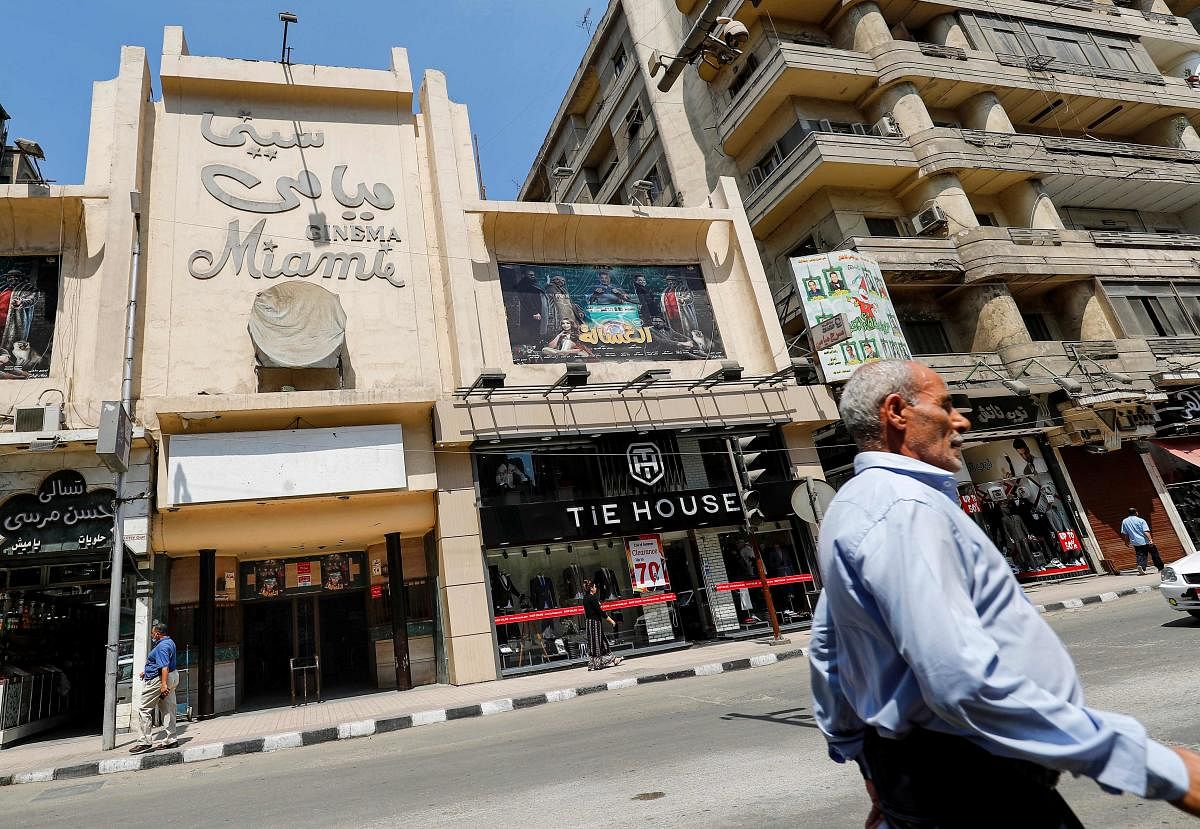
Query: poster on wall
(600, 313)
(647, 567)
(268, 578)
(845, 282)
(1013, 498)
(28, 303)
(335, 572)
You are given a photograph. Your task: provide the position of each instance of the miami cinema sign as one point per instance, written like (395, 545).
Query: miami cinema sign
(370, 237)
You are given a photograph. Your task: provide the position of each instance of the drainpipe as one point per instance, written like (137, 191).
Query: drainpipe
(112, 647)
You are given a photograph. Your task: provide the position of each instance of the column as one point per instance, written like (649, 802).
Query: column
(1176, 131)
(206, 618)
(862, 29)
(1083, 315)
(1026, 204)
(127, 712)
(985, 112)
(945, 30)
(395, 557)
(466, 612)
(996, 318)
(946, 191)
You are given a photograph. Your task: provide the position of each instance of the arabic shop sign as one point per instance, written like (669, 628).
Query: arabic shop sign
(60, 517)
(256, 252)
(1003, 412)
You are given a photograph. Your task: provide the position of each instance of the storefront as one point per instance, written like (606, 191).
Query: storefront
(56, 535)
(1175, 461)
(1013, 488)
(654, 521)
(314, 571)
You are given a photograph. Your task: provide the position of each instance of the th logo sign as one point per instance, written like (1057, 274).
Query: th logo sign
(645, 463)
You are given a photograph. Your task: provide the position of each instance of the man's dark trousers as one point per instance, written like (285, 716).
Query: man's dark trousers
(1142, 550)
(929, 780)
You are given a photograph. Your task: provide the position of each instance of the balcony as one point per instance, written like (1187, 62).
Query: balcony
(864, 162)
(954, 368)
(1028, 89)
(793, 69)
(1079, 172)
(908, 260)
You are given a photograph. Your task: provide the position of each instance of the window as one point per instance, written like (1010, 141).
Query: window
(1073, 50)
(743, 75)
(985, 219)
(1007, 41)
(1156, 309)
(926, 337)
(1038, 329)
(882, 226)
(1065, 49)
(1118, 57)
(619, 59)
(807, 247)
(633, 121)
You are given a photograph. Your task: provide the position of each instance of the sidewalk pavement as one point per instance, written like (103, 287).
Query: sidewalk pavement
(1062, 595)
(379, 712)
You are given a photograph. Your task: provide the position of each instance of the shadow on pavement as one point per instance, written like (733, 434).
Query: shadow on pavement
(788, 716)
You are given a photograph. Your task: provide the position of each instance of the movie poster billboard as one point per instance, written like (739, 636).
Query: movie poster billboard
(28, 302)
(846, 282)
(557, 313)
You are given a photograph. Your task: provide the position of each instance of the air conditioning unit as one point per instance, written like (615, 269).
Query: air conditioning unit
(38, 419)
(861, 129)
(930, 220)
(888, 128)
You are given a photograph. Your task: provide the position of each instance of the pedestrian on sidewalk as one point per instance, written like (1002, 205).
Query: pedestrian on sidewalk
(593, 620)
(159, 680)
(1137, 535)
(930, 668)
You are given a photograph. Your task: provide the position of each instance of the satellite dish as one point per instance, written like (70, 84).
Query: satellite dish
(810, 499)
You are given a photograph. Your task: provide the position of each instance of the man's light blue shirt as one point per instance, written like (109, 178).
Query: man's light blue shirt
(921, 624)
(1134, 528)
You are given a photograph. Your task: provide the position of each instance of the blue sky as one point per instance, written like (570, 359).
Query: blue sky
(509, 61)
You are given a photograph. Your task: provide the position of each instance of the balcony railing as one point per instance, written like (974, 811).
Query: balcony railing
(1034, 236)
(1050, 63)
(1165, 348)
(936, 50)
(1137, 239)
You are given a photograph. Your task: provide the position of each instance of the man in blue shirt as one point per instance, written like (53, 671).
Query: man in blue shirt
(1137, 535)
(159, 680)
(930, 668)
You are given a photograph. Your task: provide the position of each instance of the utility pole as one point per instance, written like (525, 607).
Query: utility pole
(744, 476)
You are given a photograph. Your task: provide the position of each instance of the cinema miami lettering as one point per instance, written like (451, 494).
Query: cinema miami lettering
(371, 238)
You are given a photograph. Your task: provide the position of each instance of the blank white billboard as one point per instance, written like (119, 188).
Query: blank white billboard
(254, 466)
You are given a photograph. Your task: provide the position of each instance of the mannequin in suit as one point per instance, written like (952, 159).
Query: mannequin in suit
(607, 586)
(504, 592)
(573, 582)
(541, 592)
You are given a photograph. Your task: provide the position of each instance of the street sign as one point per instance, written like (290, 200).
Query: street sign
(811, 498)
(830, 332)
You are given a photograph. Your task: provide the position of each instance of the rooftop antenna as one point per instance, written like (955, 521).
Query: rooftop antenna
(285, 56)
(586, 22)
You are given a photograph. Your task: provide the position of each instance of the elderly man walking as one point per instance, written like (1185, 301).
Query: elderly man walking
(159, 679)
(930, 668)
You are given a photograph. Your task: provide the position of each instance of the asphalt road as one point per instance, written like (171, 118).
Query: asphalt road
(733, 750)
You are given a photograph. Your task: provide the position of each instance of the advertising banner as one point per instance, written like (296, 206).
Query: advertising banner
(646, 565)
(598, 313)
(28, 303)
(845, 282)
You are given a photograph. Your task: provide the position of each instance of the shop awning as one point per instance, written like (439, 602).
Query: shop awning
(1187, 450)
(297, 325)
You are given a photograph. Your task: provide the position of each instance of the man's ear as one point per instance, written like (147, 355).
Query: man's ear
(892, 411)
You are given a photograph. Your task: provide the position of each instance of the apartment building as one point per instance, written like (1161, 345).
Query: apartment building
(1023, 172)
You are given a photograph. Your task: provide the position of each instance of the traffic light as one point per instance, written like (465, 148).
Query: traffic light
(749, 465)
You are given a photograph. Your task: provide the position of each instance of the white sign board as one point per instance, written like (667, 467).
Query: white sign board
(846, 282)
(255, 466)
(646, 563)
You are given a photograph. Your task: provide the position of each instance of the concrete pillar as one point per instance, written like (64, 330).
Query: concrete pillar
(947, 31)
(985, 112)
(862, 29)
(466, 610)
(946, 191)
(127, 712)
(1082, 315)
(903, 102)
(995, 315)
(1027, 205)
(1175, 131)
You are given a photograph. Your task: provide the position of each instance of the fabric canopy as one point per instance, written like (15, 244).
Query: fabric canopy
(1188, 450)
(297, 325)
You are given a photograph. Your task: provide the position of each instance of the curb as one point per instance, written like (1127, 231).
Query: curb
(1070, 604)
(367, 728)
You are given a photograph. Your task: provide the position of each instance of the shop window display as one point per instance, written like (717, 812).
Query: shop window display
(537, 595)
(785, 575)
(1013, 497)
